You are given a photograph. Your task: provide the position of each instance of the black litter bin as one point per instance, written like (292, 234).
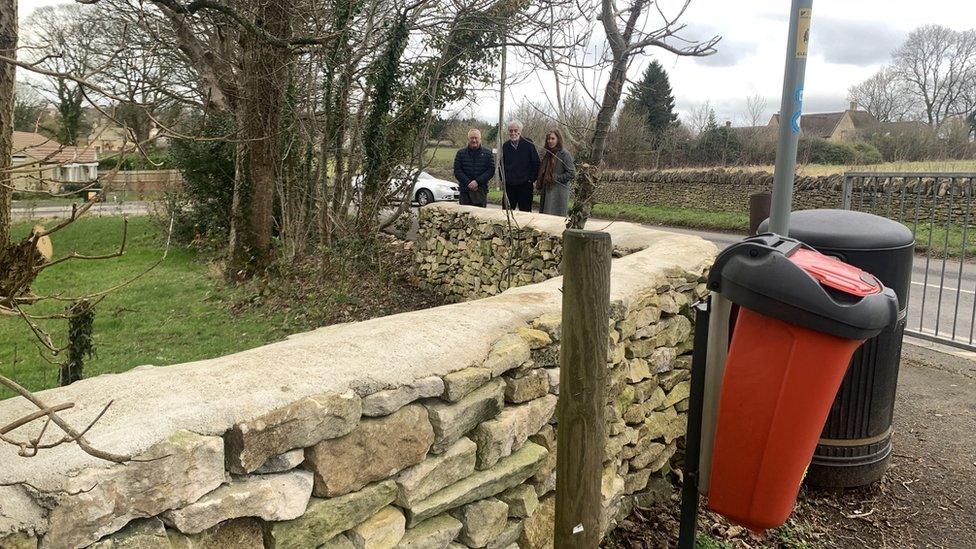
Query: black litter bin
(855, 446)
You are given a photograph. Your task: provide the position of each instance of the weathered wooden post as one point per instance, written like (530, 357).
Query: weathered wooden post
(582, 387)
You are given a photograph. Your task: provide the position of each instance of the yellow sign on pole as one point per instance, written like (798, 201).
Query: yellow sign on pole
(803, 32)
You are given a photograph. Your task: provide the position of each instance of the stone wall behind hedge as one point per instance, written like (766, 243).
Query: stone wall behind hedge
(430, 429)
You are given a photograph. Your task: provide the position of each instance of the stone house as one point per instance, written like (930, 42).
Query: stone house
(41, 163)
(834, 126)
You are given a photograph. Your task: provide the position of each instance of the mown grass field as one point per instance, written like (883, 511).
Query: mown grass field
(174, 313)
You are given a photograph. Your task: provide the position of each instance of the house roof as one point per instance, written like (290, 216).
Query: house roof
(823, 124)
(49, 151)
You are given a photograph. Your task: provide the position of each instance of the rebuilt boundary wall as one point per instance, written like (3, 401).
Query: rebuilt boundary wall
(434, 428)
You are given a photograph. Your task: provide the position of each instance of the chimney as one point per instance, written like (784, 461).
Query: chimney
(853, 106)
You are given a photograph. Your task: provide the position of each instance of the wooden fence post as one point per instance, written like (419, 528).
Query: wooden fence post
(582, 388)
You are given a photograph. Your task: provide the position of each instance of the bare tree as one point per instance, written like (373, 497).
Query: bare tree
(700, 117)
(937, 64)
(884, 95)
(756, 110)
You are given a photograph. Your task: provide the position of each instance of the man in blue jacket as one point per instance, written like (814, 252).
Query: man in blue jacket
(520, 161)
(474, 167)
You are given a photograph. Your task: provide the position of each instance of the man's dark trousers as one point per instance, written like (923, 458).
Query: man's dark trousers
(464, 198)
(520, 196)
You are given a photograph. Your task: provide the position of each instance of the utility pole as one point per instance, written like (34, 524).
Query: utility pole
(791, 107)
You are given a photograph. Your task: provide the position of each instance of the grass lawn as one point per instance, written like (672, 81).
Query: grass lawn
(661, 215)
(172, 314)
(441, 157)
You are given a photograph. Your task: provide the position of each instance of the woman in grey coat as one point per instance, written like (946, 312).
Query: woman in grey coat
(555, 176)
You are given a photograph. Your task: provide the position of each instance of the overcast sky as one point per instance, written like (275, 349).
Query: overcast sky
(850, 40)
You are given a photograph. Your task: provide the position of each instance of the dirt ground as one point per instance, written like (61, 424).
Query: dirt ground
(926, 499)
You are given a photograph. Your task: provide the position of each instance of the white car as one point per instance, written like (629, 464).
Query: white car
(431, 189)
(427, 189)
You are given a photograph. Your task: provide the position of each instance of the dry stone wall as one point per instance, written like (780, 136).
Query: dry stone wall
(340, 438)
(714, 190)
(729, 190)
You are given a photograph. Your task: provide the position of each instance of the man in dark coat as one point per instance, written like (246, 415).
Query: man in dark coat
(474, 167)
(520, 161)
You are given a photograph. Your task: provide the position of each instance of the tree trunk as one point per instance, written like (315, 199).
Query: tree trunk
(8, 48)
(604, 117)
(264, 78)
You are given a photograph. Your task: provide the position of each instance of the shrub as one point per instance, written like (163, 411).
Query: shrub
(814, 150)
(866, 153)
(157, 160)
(202, 207)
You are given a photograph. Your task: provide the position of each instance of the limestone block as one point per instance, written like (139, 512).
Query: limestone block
(326, 518)
(680, 392)
(18, 511)
(19, 540)
(433, 533)
(459, 384)
(508, 472)
(657, 424)
(535, 337)
(282, 462)
(452, 421)
(436, 472)
(281, 496)
(522, 501)
(638, 370)
(553, 375)
(339, 542)
(615, 445)
(507, 353)
(538, 530)
(138, 534)
(673, 378)
(643, 459)
(373, 451)
(634, 414)
(388, 401)
(384, 530)
(498, 437)
(243, 533)
(300, 424)
(171, 474)
(655, 400)
(481, 521)
(550, 323)
(661, 359)
(534, 384)
(635, 482)
(644, 389)
(508, 538)
(677, 428)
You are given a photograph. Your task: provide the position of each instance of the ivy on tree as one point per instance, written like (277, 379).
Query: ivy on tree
(651, 99)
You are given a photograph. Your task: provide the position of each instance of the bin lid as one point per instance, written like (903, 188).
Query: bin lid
(788, 280)
(846, 230)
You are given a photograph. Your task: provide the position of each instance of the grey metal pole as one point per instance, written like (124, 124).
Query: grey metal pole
(790, 108)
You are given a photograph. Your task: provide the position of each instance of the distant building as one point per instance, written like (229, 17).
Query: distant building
(41, 163)
(834, 126)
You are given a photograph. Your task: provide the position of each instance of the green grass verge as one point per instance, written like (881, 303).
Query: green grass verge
(172, 314)
(662, 215)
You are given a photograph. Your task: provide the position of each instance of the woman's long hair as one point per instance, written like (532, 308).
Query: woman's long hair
(549, 161)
